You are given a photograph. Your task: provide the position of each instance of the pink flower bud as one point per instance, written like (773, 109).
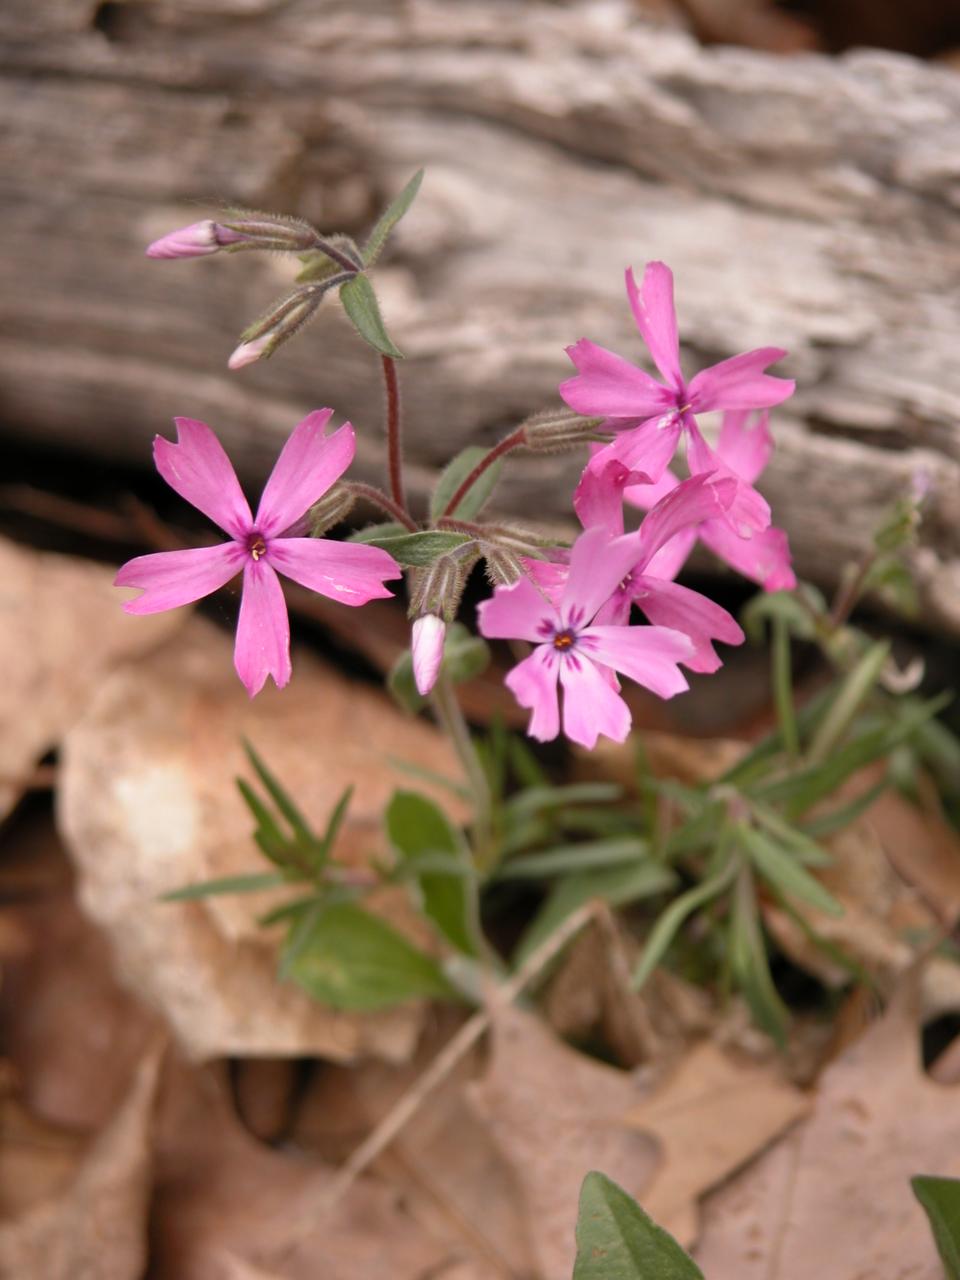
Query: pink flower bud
(249, 352)
(195, 241)
(427, 648)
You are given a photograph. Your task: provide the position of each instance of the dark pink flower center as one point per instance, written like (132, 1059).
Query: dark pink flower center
(256, 545)
(564, 640)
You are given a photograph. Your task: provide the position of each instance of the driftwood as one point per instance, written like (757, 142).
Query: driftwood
(808, 202)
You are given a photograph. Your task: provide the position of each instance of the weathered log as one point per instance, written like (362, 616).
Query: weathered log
(808, 202)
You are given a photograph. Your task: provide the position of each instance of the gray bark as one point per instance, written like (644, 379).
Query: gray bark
(805, 202)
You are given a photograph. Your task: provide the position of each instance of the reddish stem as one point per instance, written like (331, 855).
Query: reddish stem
(385, 503)
(513, 441)
(394, 441)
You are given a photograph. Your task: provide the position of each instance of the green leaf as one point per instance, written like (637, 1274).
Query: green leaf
(389, 219)
(414, 550)
(373, 532)
(417, 828)
(614, 852)
(360, 303)
(749, 963)
(784, 871)
(454, 474)
(616, 885)
(853, 691)
(423, 774)
(227, 884)
(272, 842)
(665, 930)
(318, 265)
(768, 606)
(351, 959)
(940, 1198)
(537, 799)
(803, 845)
(825, 824)
(334, 823)
(298, 824)
(616, 1240)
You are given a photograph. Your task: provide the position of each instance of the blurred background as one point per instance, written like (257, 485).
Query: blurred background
(795, 163)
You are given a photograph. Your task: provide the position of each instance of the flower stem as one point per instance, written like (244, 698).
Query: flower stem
(446, 708)
(783, 688)
(513, 441)
(394, 437)
(371, 493)
(337, 255)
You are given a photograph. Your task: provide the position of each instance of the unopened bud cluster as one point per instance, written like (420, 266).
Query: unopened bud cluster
(333, 508)
(282, 321)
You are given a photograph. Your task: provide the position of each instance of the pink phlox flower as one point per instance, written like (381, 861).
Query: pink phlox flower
(650, 416)
(745, 450)
(260, 546)
(575, 651)
(598, 502)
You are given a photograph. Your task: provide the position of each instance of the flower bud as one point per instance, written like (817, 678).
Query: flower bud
(427, 651)
(558, 429)
(503, 565)
(280, 323)
(335, 505)
(195, 241)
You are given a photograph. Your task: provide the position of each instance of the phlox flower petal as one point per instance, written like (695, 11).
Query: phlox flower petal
(533, 682)
(263, 630)
(748, 512)
(609, 386)
(654, 311)
(349, 572)
(169, 579)
(646, 450)
(745, 449)
(740, 383)
(591, 705)
(426, 648)
(702, 497)
(648, 655)
(199, 470)
(764, 558)
(597, 566)
(309, 464)
(667, 604)
(518, 612)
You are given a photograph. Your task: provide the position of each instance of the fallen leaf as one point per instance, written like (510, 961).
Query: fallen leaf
(710, 1116)
(454, 1178)
(224, 1204)
(51, 671)
(148, 804)
(884, 920)
(833, 1198)
(556, 1115)
(73, 1035)
(96, 1228)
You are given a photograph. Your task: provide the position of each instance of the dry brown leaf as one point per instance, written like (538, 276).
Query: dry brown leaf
(148, 803)
(62, 631)
(557, 1114)
(923, 848)
(712, 1115)
(224, 1205)
(883, 916)
(833, 1199)
(454, 1177)
(72, 1033)
(96, 1228)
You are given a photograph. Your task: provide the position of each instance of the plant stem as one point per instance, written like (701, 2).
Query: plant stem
(394, 436)
(337, 255)
(446, 708)
(513, 441)
(372, 494)
(849, 594)
(783, 688)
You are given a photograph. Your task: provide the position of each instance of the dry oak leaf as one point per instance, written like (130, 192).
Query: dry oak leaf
(95, 1229)
(881, 911)
(832, 1199)
(225, 1206)
(61, 631)
(73, 1035)
(454, 1177)
(148, 803)
(557, 1114)
(711, 1115)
